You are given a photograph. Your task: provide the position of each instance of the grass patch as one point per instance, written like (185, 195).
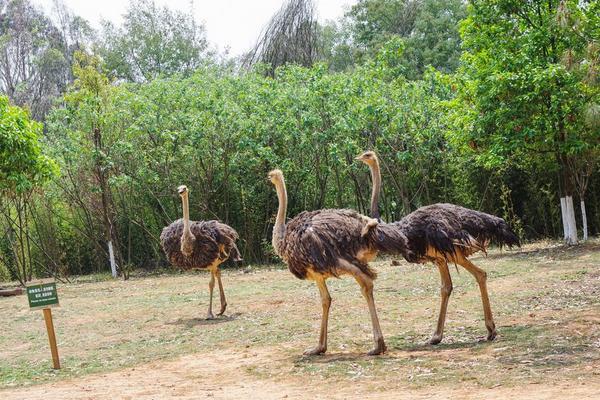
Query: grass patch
(545, 301)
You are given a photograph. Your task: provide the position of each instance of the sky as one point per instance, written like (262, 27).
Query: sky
(233, 24)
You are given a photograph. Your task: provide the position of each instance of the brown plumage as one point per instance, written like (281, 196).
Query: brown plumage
(451, 229)
(320, 238)
(200, 245)
(317, 245)
(212, 240)
(443, 233)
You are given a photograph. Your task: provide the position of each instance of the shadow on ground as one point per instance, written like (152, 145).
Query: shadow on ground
(191, 322)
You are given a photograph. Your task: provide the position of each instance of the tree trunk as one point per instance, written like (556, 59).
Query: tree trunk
(111, 257)
(111, 237)
(568, 218)
(563, 213)
(584, 220)
(566, 198)
(572, 238)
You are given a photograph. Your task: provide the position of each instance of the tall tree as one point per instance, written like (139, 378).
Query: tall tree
(429, 28)
(88, 167)
(35, 55)
(23, 168)
(153, 41)
(524, 101)
(290, 37)
(375, 20)
(31, 66)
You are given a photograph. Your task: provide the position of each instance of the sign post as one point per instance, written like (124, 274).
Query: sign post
(43, 295)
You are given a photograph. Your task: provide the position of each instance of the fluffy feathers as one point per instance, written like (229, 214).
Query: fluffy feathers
(319, 238)
(449, 228)
(213, 240)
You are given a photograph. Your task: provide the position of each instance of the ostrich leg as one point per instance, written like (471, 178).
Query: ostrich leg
(366, 287)
(211, 286)
(446, 289)
(481, 277)
(221, 292)
(326, 303)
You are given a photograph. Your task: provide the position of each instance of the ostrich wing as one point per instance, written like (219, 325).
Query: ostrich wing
(446, 226)
(206, 247)
(320, 238)
(226, 237)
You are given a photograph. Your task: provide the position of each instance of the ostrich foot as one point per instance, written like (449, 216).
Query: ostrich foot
(491, 335)
(222, 311)
(210, 315)
(316, 351)
(435, 339)
(380, 348)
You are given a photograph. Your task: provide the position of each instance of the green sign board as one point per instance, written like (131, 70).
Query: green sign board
(42, 294)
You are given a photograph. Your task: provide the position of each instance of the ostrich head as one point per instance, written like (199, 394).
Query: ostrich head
(182, 190)
(368, 157)
(275, 176)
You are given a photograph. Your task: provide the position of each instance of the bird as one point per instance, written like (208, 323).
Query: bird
(200, 245)
(321, 244)
(445, 233)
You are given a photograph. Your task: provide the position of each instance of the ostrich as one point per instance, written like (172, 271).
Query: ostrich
(321, 244)
(200, 245)
(443, 233)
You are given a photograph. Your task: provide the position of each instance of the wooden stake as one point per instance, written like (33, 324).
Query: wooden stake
(51, 337)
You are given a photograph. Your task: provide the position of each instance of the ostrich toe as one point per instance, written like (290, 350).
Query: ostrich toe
(380, 348)
(435, 339)
(316, 351)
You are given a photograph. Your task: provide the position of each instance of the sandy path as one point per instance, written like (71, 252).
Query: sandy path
(223, 376)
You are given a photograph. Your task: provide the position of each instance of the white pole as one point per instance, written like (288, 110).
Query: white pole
(111, 255)
(563, 213)
(584, 219)
(571, 221)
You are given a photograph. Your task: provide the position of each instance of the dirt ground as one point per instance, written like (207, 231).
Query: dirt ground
(145, 339)
(221, 375)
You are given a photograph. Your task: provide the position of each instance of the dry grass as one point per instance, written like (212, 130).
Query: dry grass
(545, 300)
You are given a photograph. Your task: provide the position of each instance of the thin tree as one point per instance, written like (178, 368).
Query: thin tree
(290, 37)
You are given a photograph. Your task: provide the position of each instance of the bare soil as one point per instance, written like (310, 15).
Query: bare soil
(221, 375)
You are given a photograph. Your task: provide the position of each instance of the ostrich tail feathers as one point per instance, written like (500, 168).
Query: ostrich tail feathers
(448, 229)
(486, 228)
(505, 236)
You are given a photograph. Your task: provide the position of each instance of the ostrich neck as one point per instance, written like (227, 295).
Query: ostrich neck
(187, 233)
(279, 228)
(376, 178)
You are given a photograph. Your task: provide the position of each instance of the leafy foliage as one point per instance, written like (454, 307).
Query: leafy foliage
(23, 167)
(36, 54)
(524, 99)
(428, 27)
(153, 41)
(22, 164)
(147, 113)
